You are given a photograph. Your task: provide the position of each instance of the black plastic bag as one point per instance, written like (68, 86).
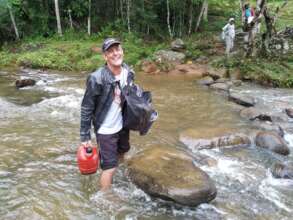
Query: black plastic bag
(138, 112)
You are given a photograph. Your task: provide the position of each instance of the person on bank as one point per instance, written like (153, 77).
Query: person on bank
(248, 14)
(229, 35)
(102, 106)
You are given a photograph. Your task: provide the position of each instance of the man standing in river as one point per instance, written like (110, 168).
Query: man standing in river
(102, 106)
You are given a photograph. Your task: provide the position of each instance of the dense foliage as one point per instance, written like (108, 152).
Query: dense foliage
(156, 18)
(85, 23)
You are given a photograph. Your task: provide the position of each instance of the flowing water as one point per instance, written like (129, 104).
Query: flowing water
(39, 178)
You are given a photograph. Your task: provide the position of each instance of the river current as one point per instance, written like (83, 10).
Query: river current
(39, 130)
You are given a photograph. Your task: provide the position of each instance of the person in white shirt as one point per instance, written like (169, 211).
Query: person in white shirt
(229, 35)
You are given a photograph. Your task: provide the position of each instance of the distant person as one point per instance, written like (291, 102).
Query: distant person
(248, 14)
(229, 35)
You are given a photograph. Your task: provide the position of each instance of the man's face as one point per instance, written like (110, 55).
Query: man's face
(114, 55)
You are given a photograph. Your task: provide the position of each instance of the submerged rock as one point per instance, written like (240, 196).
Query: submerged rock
(262, 114)
(237, 83)
(188, 69)
(253, 113)
(221, 86)
(207, 80)
(269, 126)
(241, 99)
(272, 141)
(283, 171)
(197, 140)
(289, 112)
(24, 82)
(170, 174)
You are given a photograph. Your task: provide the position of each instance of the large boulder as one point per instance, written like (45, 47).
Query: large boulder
(283, 171)
(170, 174)
(197, 139)
(169, 56)
(272, 141)
(177, 45)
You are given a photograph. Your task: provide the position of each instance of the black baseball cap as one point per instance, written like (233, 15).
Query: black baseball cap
(109, 42)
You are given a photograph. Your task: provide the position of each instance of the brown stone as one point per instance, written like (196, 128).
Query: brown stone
(170, 174)
(197, 139)
(149, 67)
(189, 69)
(272, 142)
(24, 82)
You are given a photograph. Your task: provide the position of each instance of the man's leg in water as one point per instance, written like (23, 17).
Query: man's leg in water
(108, 158)
(106, 178)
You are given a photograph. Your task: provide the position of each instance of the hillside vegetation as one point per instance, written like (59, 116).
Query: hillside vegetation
(76, 50)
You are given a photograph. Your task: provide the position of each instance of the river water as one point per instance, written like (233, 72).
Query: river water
(39, 178)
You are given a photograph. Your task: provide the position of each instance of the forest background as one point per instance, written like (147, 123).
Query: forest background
(66, 35)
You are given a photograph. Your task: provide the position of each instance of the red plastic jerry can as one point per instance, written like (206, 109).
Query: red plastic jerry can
(87, 159)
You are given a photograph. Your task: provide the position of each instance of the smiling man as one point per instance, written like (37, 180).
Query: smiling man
(102, 106)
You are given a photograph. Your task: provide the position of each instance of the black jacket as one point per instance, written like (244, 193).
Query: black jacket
(97, 99)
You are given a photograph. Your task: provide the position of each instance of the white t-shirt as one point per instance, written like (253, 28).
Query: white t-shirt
(229, 30)
(113, 121)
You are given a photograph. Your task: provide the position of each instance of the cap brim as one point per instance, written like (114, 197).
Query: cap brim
(110, 45)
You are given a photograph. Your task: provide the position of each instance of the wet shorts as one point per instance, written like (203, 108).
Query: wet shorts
(111, 145)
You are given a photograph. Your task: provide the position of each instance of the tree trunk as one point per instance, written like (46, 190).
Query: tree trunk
(205, 14)
(143, 12)
(270, 21)
(89, 19)
(190, 17)
(47, 11)
(200, 15)
(180, 24)
(174, 23)
(128, 15)
(70, 19)
(13, 22)
(121, 10)
(58, 18)
(241, 3)
(168, 20)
